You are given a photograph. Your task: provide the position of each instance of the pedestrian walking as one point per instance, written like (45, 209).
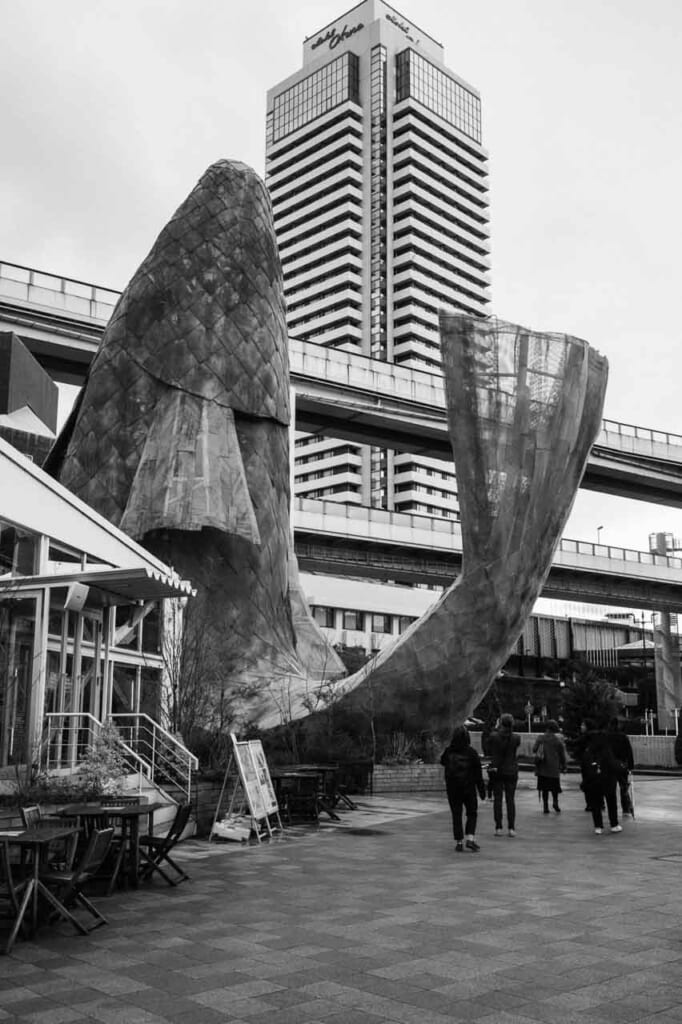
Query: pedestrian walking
(463, 783)
(503, 746)
(550, 761)
(621, 748)
(600, 779)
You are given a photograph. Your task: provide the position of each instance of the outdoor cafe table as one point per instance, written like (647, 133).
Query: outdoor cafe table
(328, 795)
(328, 774)
(127, 861)
(37, 840)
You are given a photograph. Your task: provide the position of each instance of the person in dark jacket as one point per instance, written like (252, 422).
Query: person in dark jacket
(503, 745)
(463, 781)
(550, 762)
(621, 748)
(600, 779)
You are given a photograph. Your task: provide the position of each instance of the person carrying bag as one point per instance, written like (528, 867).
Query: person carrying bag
(550, 758)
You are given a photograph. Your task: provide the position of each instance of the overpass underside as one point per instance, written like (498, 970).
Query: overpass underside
(391, 564)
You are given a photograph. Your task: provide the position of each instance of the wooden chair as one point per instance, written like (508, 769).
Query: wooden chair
(9, 891)
(155, 850)
(67, 886)
(32, 817)
(299, 796)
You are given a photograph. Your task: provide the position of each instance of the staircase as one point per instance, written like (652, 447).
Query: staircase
(159, 766)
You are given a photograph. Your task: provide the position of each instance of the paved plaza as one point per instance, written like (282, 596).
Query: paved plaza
(377, 919)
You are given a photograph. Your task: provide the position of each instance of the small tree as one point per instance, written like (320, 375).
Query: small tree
(103, 768)
(587, 697)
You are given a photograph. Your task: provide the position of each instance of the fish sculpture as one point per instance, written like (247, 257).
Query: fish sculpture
(523, 410)
(180, 435)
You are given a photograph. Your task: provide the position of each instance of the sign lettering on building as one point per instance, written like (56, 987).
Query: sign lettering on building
(333, 37)
(403, 27)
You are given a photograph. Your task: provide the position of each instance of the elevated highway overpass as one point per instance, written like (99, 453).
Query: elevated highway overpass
(352, 540)
(345, 395)
(338, 393)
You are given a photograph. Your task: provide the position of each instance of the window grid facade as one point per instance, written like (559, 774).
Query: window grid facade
(379, 194)
(378, 219)
(320, 92)
(419, 79)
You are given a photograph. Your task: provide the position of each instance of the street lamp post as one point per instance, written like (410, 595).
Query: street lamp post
(599, 530)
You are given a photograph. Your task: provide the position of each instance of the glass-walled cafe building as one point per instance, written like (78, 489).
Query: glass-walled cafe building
(79, 612)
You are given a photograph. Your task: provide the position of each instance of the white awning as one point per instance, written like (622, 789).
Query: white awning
(107, 586)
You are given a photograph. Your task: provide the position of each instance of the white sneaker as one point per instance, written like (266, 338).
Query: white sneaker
(511, 833)
(499, 832)
(598, 831)
(616, 828)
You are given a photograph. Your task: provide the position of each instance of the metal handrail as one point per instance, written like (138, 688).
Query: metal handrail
(94, 727)
(167, 755)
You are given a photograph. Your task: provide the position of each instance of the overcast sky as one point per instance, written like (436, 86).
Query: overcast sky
(112, 109)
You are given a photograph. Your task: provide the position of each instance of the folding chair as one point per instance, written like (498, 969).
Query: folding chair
(155, 850)
(66, 887)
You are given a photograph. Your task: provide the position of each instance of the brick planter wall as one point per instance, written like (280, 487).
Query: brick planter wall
(408, 778)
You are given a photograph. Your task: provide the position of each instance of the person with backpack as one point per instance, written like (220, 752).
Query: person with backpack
(600, 778)
(503, 745)
(463, 781)
(549, 753)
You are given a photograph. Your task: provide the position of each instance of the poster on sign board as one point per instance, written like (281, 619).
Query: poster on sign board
(249, 778)
(263, 775)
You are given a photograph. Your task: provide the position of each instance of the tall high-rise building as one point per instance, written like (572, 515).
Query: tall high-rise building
(379, 188)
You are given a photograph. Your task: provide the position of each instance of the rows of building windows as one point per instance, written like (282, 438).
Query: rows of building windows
(421, 174)
(310, 190)
(414, 488)
(326, 240)
(328, 453)
(424, 509)
(336, 192)
(407, 246)
(417, 467)
(315, 149)
(346, 275)
(376, 622)
(430, 199)
(400, 232)
(310, 176)
(323, 261)
(324, 154)
(443, 158)
(427, 166)
(336, 489)
(452, 288)
(313, 301)
(409, 123)
(321, 312)
(295, 231)
(328, 473)
(419, 79)
(314, 95)
(291, 152)
(319, 336)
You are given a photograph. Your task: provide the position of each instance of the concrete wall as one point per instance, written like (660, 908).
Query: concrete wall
(649, 752)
